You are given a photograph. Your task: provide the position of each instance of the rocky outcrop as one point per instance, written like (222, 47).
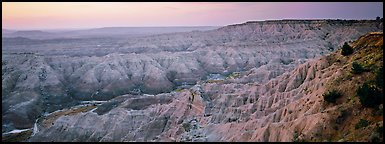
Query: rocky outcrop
(220, 112)
(54, 74)
(286, 108)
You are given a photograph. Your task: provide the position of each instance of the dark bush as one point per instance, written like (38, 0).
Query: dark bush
(186, 126)
(295, 136)
(357, 68)
(346, 49)
(380, 130)
(361, 123)
(331, 96)
(380, 78)
(369, 95)
(342, 117)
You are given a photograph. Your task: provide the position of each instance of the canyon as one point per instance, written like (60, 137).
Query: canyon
(256, 81)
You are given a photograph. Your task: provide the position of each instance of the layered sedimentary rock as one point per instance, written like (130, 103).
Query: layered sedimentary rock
(41, 76)
(282, 109)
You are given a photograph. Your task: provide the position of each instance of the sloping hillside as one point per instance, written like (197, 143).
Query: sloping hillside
(354, 118)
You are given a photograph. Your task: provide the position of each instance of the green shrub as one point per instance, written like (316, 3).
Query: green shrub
(361, 123)
(380, 130)
(331, 96)
(380, 78)
(186, 126)
(346, 49)
(357, 68)
(295, 136)
(369, 95)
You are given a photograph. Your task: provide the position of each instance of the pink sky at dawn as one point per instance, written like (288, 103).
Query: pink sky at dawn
(63, 15)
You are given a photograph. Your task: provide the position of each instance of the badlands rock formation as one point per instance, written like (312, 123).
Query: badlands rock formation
(285, 108)
(41, 76)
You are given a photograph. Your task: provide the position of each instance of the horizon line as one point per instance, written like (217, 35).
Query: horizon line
(89, 28)
(250, 21)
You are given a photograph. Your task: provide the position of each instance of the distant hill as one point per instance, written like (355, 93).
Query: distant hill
(134, 31)
(34, 34)
(142, 30)
(103, 32)
(31, 32)
(6, 31)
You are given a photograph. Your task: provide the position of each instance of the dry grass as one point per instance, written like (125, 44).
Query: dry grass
(49, 120)
(234, 75)
(17, 137)
(214, 81)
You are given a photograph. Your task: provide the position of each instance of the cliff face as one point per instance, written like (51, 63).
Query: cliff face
(290, 107)
(46, 75)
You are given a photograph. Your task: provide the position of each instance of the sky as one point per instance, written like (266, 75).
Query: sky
(79, 15)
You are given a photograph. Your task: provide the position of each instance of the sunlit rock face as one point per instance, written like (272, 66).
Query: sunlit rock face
(41, 76)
